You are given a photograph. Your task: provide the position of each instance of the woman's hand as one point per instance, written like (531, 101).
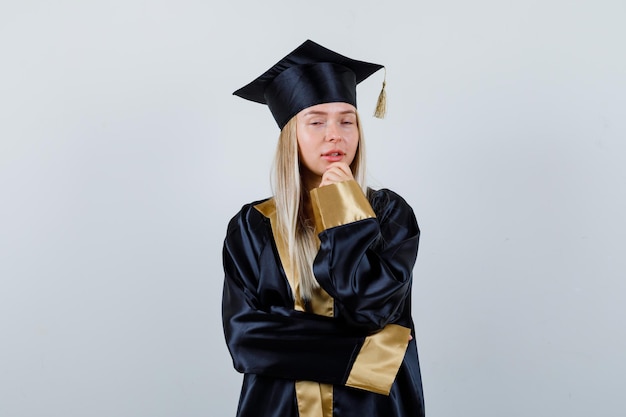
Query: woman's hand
(336, 172)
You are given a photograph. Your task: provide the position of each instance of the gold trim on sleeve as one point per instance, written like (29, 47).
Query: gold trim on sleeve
(379, 359)
(338, 204)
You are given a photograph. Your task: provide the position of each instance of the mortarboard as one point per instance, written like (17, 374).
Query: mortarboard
(309, 75)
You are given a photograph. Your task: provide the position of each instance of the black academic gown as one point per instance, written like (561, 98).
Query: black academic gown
(350, 357)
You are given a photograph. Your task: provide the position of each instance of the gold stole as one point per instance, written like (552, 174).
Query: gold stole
(381, 355)
(314, 399)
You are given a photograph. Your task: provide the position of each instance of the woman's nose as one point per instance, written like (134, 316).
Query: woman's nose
(332, 133)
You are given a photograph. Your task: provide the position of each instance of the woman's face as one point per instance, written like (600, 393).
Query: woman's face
(327, 133)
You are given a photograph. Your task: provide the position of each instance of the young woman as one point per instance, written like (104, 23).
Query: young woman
(317, 291)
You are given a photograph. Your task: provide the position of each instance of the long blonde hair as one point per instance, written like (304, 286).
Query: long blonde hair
(290, 196)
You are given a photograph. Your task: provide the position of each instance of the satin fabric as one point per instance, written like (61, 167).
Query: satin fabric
(303, 86)
(311, 74)
(366, 266)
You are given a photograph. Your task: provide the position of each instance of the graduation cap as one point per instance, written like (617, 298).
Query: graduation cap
(310, 75)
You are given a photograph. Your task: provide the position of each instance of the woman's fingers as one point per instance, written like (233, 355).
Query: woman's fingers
(336, 172)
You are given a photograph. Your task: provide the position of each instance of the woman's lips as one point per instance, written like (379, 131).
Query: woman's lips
(333, 156)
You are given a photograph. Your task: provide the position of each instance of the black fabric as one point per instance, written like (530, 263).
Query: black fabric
(298, 88)
(311, 74)
(366, 266)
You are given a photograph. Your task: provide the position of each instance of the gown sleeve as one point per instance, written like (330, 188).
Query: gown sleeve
(273, 339)
(366, 255)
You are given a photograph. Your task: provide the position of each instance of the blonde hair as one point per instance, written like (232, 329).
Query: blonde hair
(290, 196)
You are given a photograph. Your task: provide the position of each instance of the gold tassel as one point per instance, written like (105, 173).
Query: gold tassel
(381, 104)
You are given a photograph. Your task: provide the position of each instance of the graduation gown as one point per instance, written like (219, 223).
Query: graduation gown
(346, 353)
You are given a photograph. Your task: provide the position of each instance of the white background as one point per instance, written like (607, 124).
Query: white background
(123, 155)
